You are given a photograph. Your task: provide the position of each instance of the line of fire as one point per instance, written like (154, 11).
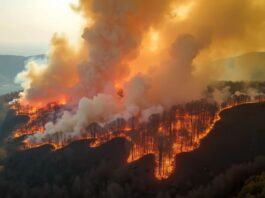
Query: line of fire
(165, 135)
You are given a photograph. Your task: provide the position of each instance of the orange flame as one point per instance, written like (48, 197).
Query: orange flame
(169, 138)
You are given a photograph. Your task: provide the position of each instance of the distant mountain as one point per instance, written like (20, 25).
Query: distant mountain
(250, 66)
(10, 66)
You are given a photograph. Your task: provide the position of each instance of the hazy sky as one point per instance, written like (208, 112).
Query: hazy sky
(26, 26)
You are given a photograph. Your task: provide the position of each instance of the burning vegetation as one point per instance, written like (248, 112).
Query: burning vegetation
(37, 117)
(165, 134)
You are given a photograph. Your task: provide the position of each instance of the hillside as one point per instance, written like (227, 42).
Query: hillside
(236, 139)
(249, 66)
(10, 66)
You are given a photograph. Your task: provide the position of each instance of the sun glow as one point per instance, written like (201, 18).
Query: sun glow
(181, 12)
(155, 38)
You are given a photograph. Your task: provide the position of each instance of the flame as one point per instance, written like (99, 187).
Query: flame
(38, 117)
(164, 138)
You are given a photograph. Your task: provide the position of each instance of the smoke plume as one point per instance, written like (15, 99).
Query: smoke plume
(140, 57)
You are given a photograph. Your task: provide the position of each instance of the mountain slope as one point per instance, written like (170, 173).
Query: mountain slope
(245, 67)
(10, 66)
(237, 138)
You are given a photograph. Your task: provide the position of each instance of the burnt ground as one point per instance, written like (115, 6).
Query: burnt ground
(237, 138)
(99, 172)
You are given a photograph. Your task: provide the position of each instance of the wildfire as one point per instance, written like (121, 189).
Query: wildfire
(37, 118)
(136, 58)
(179, 130)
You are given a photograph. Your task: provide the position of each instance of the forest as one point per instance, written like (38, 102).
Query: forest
(229, 161)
